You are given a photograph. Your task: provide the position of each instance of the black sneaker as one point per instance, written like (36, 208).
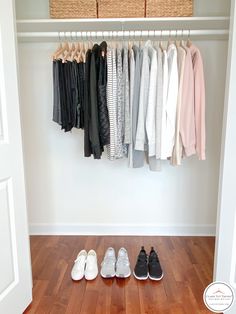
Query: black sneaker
(154, 266)
(141, 267)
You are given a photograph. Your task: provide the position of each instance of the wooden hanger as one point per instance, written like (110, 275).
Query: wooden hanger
(177, 43)
(76, 52)
(169, 39)
(68, 55)
(60, 53)
(182, 43)
(161, 43)
(189, 43)
(58, 48)
(83, 51)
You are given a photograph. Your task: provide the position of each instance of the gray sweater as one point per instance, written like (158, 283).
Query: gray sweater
(137, 156)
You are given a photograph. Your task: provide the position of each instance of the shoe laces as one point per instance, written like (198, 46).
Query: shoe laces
(80, 261)
(142, 255)
(91, 261)
(109, 260)
(153, 257)
(123, 260)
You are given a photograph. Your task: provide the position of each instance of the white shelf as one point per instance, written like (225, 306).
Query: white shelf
(47, 29)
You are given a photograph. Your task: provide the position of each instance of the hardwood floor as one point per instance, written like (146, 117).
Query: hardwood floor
(187, 263)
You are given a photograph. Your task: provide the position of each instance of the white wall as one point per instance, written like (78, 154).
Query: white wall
(225, 268)
(27, 9)
(70, 193)
(65, 188)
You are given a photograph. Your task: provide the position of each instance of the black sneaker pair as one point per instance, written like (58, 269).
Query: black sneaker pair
(148, 266)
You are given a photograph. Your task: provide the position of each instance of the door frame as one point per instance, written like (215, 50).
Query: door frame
(16, 283)
(225, 249)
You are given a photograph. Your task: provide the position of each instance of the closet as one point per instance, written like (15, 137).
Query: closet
(68, 194)
(71, 194)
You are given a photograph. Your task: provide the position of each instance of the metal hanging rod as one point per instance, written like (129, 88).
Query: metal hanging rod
(73, 35)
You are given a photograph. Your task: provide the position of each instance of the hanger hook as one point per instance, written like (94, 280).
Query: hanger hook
(122, 30)
(188, 33)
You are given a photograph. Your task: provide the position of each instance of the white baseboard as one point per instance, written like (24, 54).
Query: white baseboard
(123, 229)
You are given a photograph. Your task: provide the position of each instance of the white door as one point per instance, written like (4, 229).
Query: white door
(225, 255)
(15, 269)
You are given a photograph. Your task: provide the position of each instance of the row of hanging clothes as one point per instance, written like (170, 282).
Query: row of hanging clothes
(141, 100)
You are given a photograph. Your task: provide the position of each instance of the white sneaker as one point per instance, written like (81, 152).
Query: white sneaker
(77, 272)
(91, 269)
(108, 264)
(122, 265)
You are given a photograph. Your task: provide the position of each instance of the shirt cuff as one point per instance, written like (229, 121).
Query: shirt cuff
(189, 151)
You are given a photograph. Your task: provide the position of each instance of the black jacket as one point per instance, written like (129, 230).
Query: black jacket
(104, 125)
(94, 121)
(87, 109)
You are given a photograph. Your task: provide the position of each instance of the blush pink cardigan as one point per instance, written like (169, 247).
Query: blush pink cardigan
(187, 119)
(192, 118)
(199, 101)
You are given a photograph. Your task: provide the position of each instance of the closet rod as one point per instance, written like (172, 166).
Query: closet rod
(113, 35)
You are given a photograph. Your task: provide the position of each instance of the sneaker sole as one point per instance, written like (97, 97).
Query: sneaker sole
(140, 278)
(91, 277)
(77, 279)
(108, 276)
(156, 279)
(127, 276)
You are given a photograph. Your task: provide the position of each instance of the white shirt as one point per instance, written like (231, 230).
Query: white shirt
(152, 100)
(141, 136)
(170, 95)
(131, 89)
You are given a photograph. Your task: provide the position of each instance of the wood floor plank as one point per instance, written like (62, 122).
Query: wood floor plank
(76, 297)
(89, 302)
(187, 263)
(118, 296)
(40, 287)
(45, 305)
(132, 303)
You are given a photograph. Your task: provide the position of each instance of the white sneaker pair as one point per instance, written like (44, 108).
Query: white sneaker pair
(119, 267)
(85, 265)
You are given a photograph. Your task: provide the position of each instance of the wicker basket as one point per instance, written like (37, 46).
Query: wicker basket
(121, 8)
(171, 8)
(61, 9)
